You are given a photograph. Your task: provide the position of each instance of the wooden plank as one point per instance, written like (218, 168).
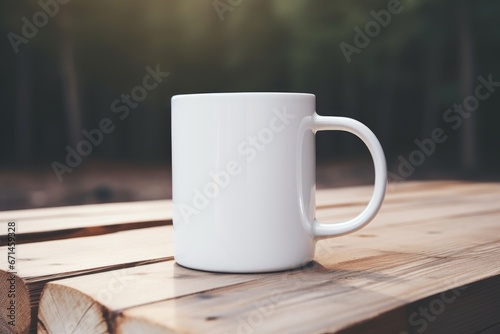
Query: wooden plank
(287, 294)
(67, 222)
(465, 309)
(418, 209)
(442, 190)
(41, 262)
(329, 299)
(87, 220)
(88, 210)
(357, 278)
(401, 192)
(113, 288)
(73, 222)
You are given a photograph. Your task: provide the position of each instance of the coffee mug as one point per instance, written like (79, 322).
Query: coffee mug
(243, 179)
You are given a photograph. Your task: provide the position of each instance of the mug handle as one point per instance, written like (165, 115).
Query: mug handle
(322, 123)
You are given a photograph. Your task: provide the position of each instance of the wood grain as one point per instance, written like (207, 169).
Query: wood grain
(427, 239)
(41, 262)
(85, 220)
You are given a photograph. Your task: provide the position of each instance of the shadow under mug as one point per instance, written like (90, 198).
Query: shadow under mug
(243, 178)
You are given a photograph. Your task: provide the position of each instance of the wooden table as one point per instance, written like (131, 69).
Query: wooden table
(429, 263)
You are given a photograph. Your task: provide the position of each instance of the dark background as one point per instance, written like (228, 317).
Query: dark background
(65, 78)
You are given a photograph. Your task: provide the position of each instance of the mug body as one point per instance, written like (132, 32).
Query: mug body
(235, 161)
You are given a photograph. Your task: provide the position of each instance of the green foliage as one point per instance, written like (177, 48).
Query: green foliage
(266, 45)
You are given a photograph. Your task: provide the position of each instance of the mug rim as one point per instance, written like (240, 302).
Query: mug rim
(232, 94)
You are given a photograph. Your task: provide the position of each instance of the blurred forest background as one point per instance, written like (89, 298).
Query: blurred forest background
(83, 57)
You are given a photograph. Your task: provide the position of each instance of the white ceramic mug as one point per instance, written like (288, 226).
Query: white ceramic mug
(243, 173)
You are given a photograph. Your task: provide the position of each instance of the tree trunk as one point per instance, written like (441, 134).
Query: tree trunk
(23, 98)
(71, 94)
(468, 142)
(431, 112)
(385, 113)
